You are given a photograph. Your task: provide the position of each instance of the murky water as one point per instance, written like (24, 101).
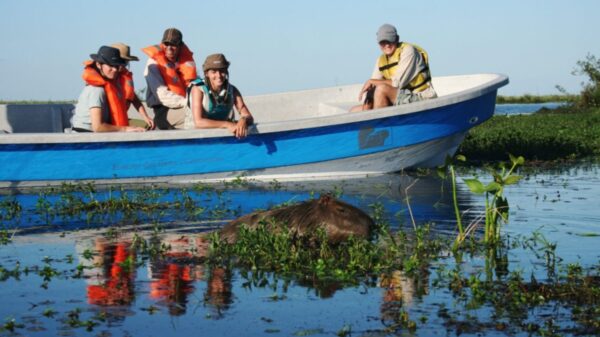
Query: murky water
(179, 295)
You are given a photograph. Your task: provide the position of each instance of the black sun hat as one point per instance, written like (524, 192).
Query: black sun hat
(108, 55)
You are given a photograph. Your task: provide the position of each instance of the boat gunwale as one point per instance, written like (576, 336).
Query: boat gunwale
(494, 82)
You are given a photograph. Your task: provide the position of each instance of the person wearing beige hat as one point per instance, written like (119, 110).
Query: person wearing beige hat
(169, 70)
(213, 100)
(126, 80)
(401, 73)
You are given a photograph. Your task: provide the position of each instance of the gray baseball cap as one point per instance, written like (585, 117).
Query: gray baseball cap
(387, 32)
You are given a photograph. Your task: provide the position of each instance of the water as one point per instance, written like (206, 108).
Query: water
(524, 109)
(179, 295)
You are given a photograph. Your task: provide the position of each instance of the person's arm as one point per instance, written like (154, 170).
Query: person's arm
(137, 104)
(246, 119)
(376, 79)
(99, 126)
(157, 86)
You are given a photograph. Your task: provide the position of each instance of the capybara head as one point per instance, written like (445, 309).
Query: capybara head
(339, 219)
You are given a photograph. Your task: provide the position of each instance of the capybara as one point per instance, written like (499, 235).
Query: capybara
(339, 220)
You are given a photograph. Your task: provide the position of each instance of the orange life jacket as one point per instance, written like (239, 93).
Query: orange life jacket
(176, 75)
(117, 102)
(126, 81)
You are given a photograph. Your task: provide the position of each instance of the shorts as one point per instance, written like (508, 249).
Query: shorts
(407, 96)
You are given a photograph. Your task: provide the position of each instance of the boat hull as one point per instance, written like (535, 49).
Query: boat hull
(308, 151)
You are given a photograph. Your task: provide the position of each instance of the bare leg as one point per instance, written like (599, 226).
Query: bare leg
(385, 95)
(357, 108)
(368, 102)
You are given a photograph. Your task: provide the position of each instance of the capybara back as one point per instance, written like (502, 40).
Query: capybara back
(340, 220)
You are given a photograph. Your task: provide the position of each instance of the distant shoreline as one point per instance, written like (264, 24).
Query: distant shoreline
(529, 99)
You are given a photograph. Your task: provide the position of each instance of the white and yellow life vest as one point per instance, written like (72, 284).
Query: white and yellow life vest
(388, 66)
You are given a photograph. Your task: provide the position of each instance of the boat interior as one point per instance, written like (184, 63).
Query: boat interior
(295, 105)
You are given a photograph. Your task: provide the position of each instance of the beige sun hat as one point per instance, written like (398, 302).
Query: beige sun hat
(124, 51)
(215, 61)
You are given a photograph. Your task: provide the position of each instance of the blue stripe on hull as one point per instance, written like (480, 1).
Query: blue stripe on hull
(109, 160)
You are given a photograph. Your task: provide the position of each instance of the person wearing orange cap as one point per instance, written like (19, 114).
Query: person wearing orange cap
(126, 80)
(102, 106)
(169, 70)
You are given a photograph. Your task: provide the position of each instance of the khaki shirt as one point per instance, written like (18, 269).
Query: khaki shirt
(411, 63)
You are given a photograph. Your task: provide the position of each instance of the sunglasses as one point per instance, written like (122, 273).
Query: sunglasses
(169, 44)
(385, 43)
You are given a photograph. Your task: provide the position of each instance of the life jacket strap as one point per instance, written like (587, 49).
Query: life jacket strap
(388, 66)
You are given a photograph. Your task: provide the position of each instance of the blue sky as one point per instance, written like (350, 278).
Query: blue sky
(277, 46)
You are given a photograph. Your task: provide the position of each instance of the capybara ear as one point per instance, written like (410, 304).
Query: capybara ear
(325, 199)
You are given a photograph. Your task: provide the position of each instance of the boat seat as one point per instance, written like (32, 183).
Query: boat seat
(29, 118)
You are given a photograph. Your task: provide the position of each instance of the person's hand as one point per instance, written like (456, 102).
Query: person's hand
(364, 89)
(149, 122)
(241, 128)
(134, 129)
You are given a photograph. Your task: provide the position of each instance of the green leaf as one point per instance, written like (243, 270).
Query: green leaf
(460, 157)
(512, 179)
(516, 160)
(493, 187)
(475, 185)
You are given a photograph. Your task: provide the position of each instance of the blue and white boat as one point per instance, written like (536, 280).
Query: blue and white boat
(298, 135)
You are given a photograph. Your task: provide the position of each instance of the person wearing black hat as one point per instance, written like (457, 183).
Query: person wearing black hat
(169, 70)
(213, 100)
(102, 106)
(401, 73)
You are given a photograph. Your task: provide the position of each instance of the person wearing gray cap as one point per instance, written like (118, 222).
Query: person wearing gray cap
(401, 73)
(213, 100)
(169, 70)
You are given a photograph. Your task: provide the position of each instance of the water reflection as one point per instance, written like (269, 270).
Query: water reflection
(111, 279)
(172, 293)
(180, 272)
(170, 285)
(174, 275)
(400, 292)
(219, 294)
